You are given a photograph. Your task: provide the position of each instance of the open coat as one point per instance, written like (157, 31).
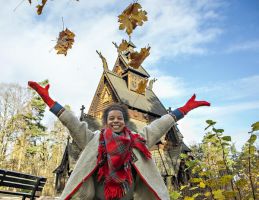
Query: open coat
(148, 186)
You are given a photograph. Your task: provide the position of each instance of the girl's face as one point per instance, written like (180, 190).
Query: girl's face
(115, 121)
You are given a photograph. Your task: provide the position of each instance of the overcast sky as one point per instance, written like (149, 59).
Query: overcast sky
(207, 47)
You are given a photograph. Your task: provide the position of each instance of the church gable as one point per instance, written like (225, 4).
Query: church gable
(104, 96)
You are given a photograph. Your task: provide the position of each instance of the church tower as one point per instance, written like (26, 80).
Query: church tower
(121, 85)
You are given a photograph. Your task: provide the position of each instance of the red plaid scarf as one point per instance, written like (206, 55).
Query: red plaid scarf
(114, 157)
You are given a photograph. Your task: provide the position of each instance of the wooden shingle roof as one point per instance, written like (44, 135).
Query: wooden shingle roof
(148, 103)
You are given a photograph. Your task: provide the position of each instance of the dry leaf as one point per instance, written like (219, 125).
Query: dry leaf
(136, 58)
(132, 17)
(125, 23)
(65, 41)
(40, 7)
(142, 86)
(123, 46)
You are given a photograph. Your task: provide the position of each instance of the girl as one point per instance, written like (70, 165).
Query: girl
(115, 163)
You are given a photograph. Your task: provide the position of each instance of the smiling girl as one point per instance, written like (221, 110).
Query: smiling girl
(115, 163)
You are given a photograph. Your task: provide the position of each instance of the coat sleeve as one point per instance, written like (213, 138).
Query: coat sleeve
(156, 129)
(78, 130)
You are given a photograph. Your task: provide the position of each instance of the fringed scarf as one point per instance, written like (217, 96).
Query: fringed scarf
(114, 156)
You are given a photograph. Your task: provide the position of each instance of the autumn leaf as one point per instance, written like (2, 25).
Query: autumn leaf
(142, 86)
(40, 7)
(136, 58)
(132, 17)
(188, 198)
(123, 46)
(65, 41)
(125, 24)
(218, 194)
(202, 185)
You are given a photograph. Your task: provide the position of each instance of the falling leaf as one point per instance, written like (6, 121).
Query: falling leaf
(136, 58)
(40, 7)
(123, 46)
(132, 17)
(125, 24)
(65, 41)
(142, 86)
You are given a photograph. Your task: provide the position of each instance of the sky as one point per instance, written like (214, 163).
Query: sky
(206, 47)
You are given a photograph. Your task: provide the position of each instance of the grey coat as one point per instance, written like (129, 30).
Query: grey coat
(80, 186)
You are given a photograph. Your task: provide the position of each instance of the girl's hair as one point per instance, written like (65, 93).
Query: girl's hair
(116, 106)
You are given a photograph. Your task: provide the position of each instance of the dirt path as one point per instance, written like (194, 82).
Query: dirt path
(6, 197)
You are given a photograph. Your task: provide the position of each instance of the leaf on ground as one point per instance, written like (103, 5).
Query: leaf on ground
(132, 17)
(174, 195)
(136, 59)
(40, 7)
(255, 126)
(65, 41)
(207, 194)
(218, 194)
(195, 180)
(188, 198)
(142, 86)
(202, 185)
(123, 45)
(183, 186)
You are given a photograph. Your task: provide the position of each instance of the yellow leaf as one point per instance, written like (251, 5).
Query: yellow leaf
(183, 186)
(125, 23)
(195, 180)
(123, 46)
(202, 185)
(40, 7)
(218, 195)
(138, 58)
(65, 41)
(132, 17)
(188, 198)
(207, 194)
(142, 86)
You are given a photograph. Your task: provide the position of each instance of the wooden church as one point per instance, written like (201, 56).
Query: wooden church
(119, 86)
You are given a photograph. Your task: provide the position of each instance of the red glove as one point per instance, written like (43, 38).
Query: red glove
(43, 92)
(191, 104)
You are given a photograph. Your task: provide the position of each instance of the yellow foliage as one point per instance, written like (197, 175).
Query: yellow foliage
(218, 195)
(188, 198)
(202, 185)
